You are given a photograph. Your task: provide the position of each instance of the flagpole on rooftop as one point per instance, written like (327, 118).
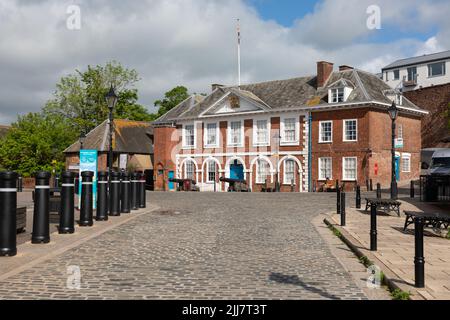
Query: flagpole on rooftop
(239, 52)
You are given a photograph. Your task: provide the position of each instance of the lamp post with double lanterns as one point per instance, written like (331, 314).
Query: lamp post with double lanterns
(111, 100)
(393, 113)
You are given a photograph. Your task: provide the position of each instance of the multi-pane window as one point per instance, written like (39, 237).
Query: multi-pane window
(262, 132)
(406, 163)
(436, 69)
(211, 134)
(337, 95)
(289, 171)
(235, 133)
(396, 74)
(400, 132)
(326, 132)
(189, 136)
(325, 169)
(290, 130)
(211, 171)
(262, 172)
(350, 169)
(189, 170)
(412, 74)
(350, 130)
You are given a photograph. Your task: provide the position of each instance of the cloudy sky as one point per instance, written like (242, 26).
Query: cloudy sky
(193, 42)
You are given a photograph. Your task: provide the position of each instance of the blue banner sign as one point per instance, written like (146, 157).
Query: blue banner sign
(88, 162)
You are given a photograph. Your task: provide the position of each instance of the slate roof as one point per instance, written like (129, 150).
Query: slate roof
(419, 60)
(132, 137)
(297, 93)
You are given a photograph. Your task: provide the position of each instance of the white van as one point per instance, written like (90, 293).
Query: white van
(440, 163)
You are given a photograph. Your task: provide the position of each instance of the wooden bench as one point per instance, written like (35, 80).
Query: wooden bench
(385, 205)
(21, 214)
(432, 220)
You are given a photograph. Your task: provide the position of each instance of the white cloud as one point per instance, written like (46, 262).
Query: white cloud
(193, 42)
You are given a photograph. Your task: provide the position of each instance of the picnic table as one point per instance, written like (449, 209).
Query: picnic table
(432, 219)
(386, 205)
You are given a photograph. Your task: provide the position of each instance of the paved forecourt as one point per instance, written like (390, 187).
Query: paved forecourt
(200, 246)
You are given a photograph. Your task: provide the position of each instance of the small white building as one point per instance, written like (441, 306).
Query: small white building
(418, 72)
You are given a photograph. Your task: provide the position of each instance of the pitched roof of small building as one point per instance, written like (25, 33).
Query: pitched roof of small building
(4, 130)
(132, 137)
(295, 94)
(419, 60)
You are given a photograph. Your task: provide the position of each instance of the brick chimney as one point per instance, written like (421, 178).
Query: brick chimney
(345, 67)
(324, 71)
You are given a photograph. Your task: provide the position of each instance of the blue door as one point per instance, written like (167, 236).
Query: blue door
(397, 168)
(171, 176)
(237, 171)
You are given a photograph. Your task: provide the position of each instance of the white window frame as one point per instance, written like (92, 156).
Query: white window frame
(285, 180)
(297, 131)
(216, 145)
(345, 130)
(208, 171)
(255, 132)
(344, 177)
(321, 178)
(393, 76)
(185, 145)
(404, 157)
(334, 91)
(320, 132)
(258, 176)
(241, 144)
(400, 133)
(194, 174)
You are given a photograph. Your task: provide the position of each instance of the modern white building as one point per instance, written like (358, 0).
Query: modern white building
(418, 72)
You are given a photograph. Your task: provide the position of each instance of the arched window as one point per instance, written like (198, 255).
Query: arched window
(262, 171)
(212, 171)
(289, 171)
(189, 170)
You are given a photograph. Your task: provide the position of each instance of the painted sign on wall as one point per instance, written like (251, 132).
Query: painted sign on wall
(88, 162)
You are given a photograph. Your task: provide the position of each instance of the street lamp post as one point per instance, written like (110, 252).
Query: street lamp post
(82, 140)
(111, 100)
(393, 113)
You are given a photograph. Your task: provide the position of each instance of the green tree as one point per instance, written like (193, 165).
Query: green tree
(35, 142)
(171, 99)
(80, 97)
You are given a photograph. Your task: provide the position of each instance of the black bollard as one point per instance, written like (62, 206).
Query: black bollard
(367, 185)
(77, 185)
(142, 191)
(56, 181)
(20, 184)
(114, 195)
(67, 208)
(419, 260)
(125, 204)
(371, 184)
(358, 197)
(338, 203)
(343, 213)
(102, 197)
(87, 199)
(41, 216)
(134, 191)
(8, 214)
(378, 191)
(373, 228)
(412, 192)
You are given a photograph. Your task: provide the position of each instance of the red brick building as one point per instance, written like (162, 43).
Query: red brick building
(302, 131)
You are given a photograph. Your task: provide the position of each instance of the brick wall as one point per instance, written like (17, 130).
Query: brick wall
(435, 100)
(167, 143)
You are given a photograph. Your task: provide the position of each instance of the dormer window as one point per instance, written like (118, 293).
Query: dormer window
(337, 95)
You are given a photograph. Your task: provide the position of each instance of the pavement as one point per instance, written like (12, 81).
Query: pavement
(396, 249)
(194, 246)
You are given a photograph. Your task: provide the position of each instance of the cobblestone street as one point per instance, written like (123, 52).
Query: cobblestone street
(201, 246)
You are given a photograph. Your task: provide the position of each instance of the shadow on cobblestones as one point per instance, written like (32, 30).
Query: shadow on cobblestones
(295, 280)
